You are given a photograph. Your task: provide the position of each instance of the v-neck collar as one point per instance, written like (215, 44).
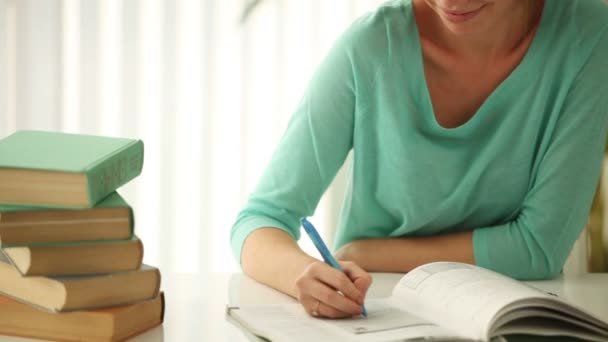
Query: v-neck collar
(498, 98)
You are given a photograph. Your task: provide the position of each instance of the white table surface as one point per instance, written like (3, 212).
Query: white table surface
(195, 303)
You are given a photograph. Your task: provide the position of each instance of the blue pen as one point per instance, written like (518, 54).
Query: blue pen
(316, 239)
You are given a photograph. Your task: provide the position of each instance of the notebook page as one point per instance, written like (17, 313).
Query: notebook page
(289, 322)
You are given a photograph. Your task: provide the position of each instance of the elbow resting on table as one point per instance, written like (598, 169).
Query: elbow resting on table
(526, 250)
(534, 262)
(538, 272)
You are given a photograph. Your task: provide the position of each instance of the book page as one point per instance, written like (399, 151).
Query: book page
(385, 322)
(460, 297)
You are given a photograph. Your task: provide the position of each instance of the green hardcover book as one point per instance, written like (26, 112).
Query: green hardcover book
(110, 219)
(52, 169)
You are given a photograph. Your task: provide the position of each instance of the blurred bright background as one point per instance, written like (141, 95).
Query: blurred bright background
(209, 95)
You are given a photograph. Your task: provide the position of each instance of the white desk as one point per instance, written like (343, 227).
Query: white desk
(195, 304)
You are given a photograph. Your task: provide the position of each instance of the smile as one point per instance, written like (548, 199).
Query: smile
(459, 17)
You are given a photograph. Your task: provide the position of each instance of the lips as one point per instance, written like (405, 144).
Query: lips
(461, 16)
(460, 13)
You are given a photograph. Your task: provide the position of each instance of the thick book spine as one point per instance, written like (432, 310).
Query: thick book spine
(110, 173)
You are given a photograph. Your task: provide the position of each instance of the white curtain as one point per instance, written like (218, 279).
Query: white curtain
(209, 96)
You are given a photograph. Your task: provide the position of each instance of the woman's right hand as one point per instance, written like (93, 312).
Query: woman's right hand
(327, 292)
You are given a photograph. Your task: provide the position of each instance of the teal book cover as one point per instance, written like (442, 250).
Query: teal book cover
(54, 169)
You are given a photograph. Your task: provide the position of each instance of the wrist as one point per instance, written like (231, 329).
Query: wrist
(298, 265)
(349, 252)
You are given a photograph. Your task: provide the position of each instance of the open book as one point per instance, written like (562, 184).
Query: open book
(437, 301)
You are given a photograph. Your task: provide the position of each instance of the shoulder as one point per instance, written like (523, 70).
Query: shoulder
(377, 31)
(385, 17)
(580, 19)
(591, 14)
(589, 31)
(574, 32)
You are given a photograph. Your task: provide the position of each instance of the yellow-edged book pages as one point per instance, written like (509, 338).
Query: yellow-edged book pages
(101, 325)
(110, 219)
(70, 293)
(77, 258)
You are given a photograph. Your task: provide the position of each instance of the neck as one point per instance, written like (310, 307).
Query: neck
(504, 37)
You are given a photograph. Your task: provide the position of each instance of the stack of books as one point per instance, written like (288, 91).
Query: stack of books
(70, 262)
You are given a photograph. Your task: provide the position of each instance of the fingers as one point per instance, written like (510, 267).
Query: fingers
(323, 310)
(330, 292)
(360, 278)
(339, 281)
(336, 303)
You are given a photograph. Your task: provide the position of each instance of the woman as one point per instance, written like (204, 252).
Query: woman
(478, 129)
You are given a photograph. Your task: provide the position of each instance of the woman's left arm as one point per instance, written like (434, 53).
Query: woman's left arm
(536, 243)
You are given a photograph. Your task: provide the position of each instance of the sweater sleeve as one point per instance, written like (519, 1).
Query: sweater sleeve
(311, 151)
(536, 244)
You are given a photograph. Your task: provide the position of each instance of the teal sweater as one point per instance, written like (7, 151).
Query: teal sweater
(521, 173)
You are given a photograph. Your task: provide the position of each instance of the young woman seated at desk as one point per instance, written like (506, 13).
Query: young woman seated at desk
(477, 129)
